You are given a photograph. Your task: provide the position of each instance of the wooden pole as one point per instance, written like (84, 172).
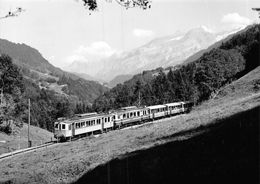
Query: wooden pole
(29, 121)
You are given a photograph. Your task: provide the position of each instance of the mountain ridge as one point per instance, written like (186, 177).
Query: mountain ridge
(165, 51)
(34, 66)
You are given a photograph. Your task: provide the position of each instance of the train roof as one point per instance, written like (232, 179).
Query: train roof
(129, 109)
(86, 117)
(174, 103)
(86, 114)
(156, 107)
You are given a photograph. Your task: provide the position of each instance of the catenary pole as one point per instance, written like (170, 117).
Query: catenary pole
(29, 119)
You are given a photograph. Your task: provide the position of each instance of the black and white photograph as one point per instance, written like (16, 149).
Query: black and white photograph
(129, 91)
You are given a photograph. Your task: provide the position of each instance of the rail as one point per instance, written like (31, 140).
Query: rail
(17, 152)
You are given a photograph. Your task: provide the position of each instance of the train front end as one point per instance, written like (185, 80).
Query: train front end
(62, 130)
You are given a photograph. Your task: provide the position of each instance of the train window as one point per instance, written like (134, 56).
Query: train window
(124, 116)
(63, 126)
(69, 127)
(127, 115)
(105, 120)
(108, 119)
(138, 113)
(56, 125)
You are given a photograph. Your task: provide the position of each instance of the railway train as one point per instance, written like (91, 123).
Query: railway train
(92, 123)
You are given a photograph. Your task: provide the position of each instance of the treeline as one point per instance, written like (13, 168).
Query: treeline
(196, 81)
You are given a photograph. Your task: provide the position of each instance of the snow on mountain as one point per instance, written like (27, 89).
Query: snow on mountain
(161, 52)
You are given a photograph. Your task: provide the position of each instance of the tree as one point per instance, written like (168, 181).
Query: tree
(11, 91)
(92, 5)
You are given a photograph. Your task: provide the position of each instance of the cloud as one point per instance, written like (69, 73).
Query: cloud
(142, 33)
(235, 20)
(93, 52)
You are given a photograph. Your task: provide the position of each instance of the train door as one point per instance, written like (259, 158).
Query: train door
(182, 107)
(102, 125)
(73, 129)
(114, 121)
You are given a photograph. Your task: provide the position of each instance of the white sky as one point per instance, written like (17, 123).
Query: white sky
(63, 30)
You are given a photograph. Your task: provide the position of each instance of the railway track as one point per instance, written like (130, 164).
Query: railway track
(21, 151)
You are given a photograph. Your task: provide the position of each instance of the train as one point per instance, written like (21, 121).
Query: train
(94, 123)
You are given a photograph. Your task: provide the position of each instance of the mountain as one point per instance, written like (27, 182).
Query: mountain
(166, 51)
(161, 52)
(89, 68)
(36, 68)
(119, 79)
(220, 37)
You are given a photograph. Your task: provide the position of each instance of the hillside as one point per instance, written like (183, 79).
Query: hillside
(79, 161)
(20, 140)
(39, 70)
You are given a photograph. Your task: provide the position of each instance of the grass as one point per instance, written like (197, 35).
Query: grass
(66, 162)
(10, 143)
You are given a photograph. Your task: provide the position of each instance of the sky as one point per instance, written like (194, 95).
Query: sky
(63, 31)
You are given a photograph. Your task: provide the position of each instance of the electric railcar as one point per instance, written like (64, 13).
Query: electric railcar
(91, 123)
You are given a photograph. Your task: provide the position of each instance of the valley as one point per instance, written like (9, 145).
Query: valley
(145, 92)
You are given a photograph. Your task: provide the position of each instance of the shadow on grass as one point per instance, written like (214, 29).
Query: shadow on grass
(227, 153)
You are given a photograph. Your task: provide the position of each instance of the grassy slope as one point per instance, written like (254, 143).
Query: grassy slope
(14, 142)
(68, 161)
